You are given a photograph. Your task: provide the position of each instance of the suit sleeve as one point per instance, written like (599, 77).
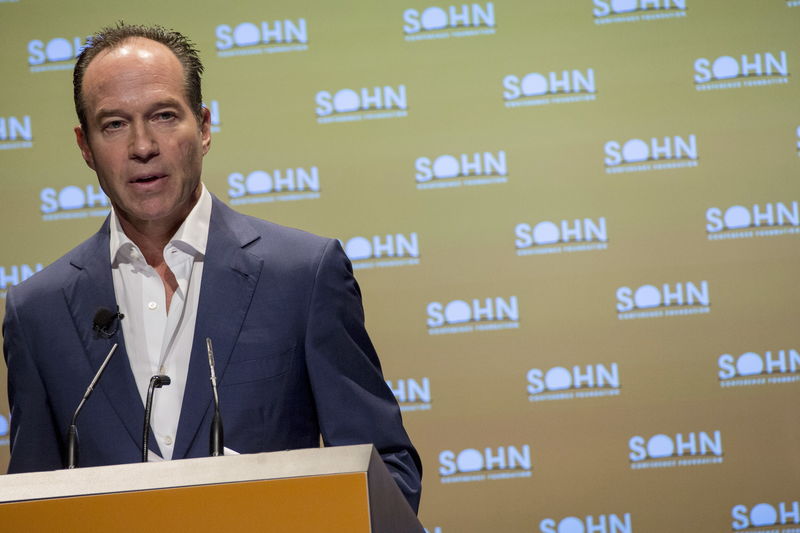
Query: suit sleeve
(34, 437)
(354, 404)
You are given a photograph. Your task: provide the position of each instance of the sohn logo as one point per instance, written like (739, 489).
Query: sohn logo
(266, 37)
(458, 20)
(741, 70)
(16, 132)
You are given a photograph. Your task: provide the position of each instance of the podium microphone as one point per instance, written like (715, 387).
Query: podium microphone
(216, 446)
(72, 431)
(156, 382)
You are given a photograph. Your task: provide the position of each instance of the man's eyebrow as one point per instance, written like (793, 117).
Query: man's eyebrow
(167, 102)
(103, 113)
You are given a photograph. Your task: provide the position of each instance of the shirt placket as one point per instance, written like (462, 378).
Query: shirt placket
(170, 401)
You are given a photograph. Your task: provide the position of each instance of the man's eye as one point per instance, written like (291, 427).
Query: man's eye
(114, 125)
(166, 115)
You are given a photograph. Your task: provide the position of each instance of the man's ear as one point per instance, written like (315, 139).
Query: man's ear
(83, 144)
(205, 130)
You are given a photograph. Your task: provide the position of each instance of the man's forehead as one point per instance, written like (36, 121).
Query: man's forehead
(135, 51)
(128, 68)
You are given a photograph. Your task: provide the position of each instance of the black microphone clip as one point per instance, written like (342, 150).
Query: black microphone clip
(104, 318)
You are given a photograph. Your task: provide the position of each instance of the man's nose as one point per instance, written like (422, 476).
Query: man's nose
(143, 144)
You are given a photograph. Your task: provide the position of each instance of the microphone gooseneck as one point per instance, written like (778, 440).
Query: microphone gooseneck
(216, 444)
(72, 431)
(156, 382)
(103, 318)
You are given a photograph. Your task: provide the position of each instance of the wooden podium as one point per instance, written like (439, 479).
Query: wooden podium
(339, 489)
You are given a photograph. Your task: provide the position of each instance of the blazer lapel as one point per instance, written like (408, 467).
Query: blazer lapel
(230, 275)
(92, 288)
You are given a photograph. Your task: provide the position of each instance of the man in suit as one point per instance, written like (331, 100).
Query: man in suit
(280, 305)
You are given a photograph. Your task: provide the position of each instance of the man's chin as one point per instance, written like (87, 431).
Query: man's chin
(156, 210)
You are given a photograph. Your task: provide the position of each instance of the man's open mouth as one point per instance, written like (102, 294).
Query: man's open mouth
(147, 179)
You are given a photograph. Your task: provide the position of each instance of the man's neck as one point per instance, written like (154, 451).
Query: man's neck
(152, 236)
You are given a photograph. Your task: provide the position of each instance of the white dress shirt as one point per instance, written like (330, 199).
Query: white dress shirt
(159, 341)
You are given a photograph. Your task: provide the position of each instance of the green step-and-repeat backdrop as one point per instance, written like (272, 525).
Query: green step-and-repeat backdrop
(575, 224)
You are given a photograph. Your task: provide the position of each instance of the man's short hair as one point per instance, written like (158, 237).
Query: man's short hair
(112, 37)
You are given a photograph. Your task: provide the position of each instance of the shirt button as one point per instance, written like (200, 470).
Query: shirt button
(168, 440)
(152, 305)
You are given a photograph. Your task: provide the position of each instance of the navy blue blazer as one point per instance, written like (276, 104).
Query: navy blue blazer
(293, 358)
